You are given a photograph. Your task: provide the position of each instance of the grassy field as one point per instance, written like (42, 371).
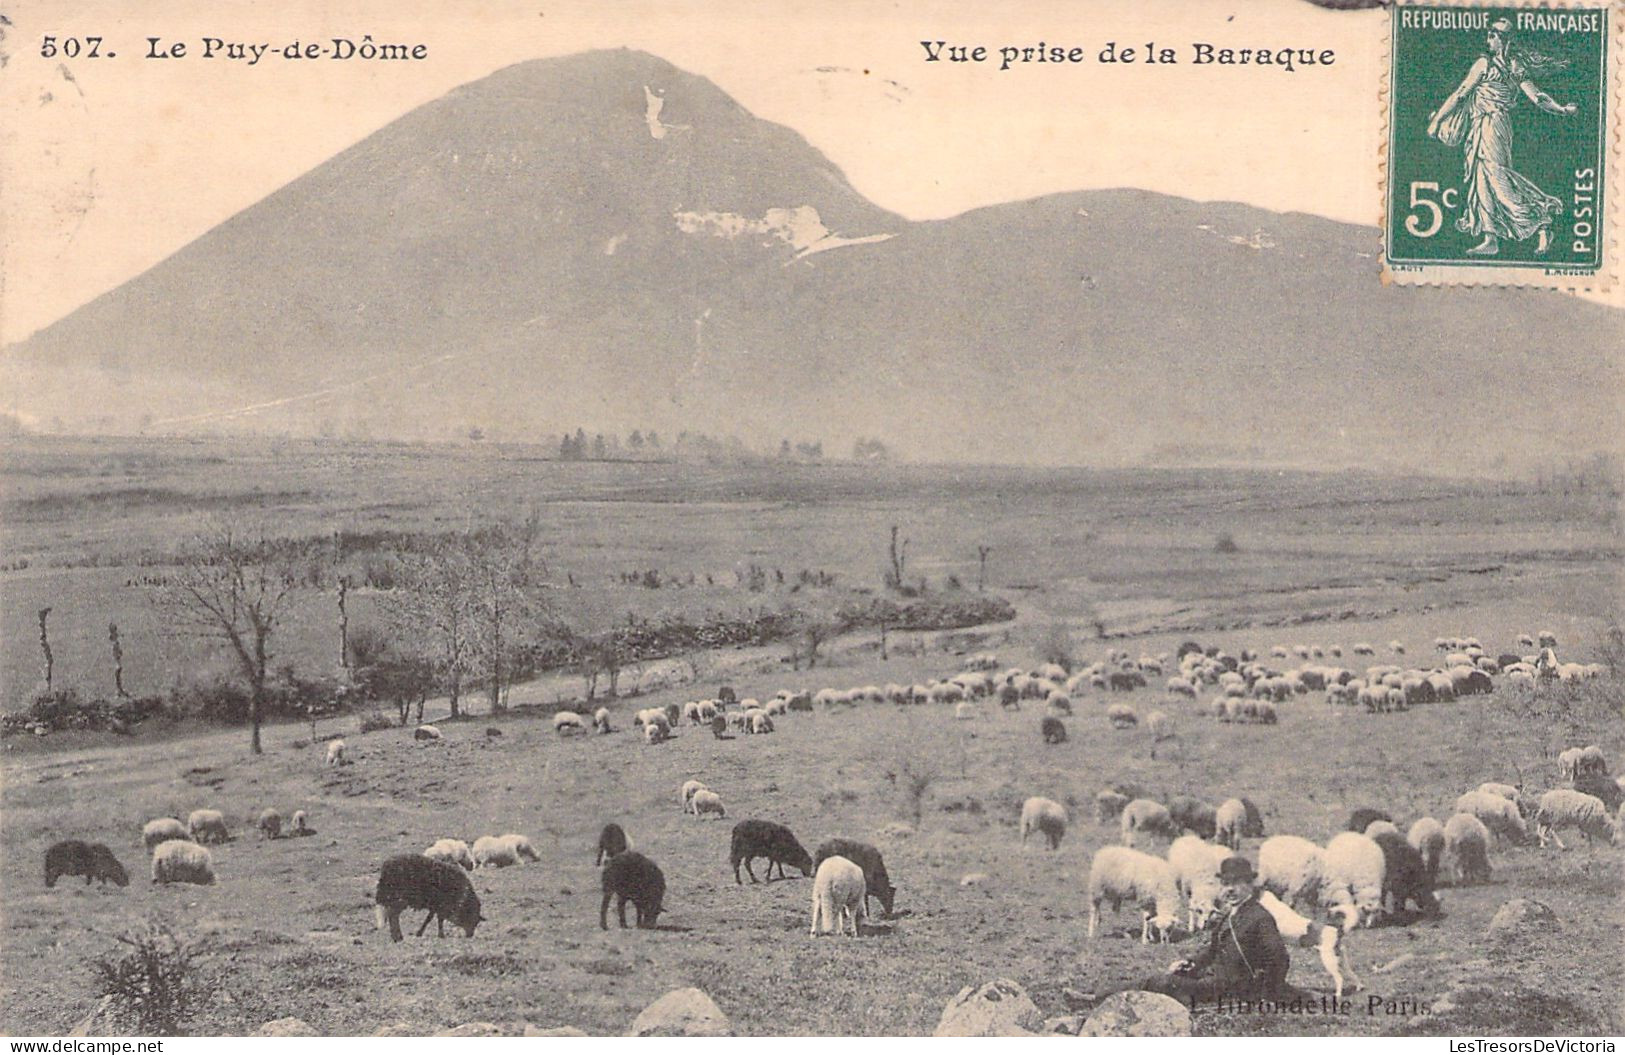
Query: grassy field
(289, 925)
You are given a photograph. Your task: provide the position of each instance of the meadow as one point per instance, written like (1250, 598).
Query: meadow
(288, 928)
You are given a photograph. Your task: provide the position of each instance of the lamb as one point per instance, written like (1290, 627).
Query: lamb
(269, 823)
(1310, 934)
(630, 876)
(1144, 815)
(876, 883)
(162, 830)
(1122, 716)
(705, 802)
(426, 732)
(1109, 806)
(1230, 823)
(435, 887)
(1466, 849)
(1361, 818)
(1405, 875)
(451, 851)
(756, 838)
(1566, 808)
(70, 857)
(1353, 873)
(1053, 730)
(1292, 867)
(1427, 837)
(1195, 866)
(182, 861)
(1120, 873)
(301, 823)
(612, 840)
(1499, 815)
(568, 722)
(689, 789)
(523, 848)
(207, 826)
(600, 721)
(1043, 815)
(839, 896)
(1193, 814)
(493, 852)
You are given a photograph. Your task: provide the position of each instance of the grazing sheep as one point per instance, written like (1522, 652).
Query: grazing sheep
(1376, 828)
(1122, 716)
(600, 721)
(1193, 814)
(630, 876)
(493, 852)
(705, 802)
(1361, 818)
(435, 887)
(1506, 791)
(1292, 867)
(71, 857)
(181, 861)
(1043, 815)
(1161, 726)
(426, 732)
(1109, 806)
(759, 723)
(690, 787)
(1195, 865)
(1354, 869)
(162, 830)
(451, 851)
(1466, 849)
(1230, 823)
(207, 826)
(1501, 816)
(1053, 730)
(1120, 873)
(1397, 647)
(568, 722)
(523, 848)
(1362, 648)
(1405, 875)
(1566, 808)
(1599, 786)
(673, 715)
(655, 732)
(1152, 818)
(839, 896)
(301, 823)
(757, 838)
(1427, 837)
(335, 752)
(1058, 703)
(612, 840)
(876, 883)
(1547, 639)
(270, 823)
(1180, 686)
(1327, 939)
(1254, 828)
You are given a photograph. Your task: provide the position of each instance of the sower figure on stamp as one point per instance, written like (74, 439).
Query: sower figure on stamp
(1245, 958)
(1500, 202)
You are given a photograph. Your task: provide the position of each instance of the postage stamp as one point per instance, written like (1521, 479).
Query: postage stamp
(1500, 131)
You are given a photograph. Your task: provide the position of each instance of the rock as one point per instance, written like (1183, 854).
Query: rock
(1520, 917)
(682, 1013)
(556, 1031)
(999, 1008)
(398, 1029)
(974, 879)
(1062, 1025)
(1138, 1014)
(472, 1029)
(286, 1027)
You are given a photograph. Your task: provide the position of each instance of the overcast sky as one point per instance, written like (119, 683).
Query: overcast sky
(112, 170)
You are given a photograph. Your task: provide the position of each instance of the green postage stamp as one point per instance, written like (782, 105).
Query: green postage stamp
(1502, 130)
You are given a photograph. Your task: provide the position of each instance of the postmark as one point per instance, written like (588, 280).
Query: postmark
(1501, 131)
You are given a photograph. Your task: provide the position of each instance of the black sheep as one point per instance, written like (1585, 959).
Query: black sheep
(91, 860)
(1405, 876)
(876, 882)
(1599, 786)
(1125, 680)
(417, 882)
(1253, 826)
(753, 839)
(726, 695)
(630, 876)
(1361, 819)
(1198, 816)
(611, 841)
(1053, 730)
(719, 726)
(1010, 697)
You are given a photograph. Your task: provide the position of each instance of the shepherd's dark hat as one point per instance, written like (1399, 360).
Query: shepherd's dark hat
(1236, 870)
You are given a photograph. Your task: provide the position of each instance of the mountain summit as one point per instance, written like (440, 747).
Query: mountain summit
(607, 241)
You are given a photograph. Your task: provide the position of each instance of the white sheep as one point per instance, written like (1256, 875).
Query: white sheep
(1311, 934)
(1180, 686)
(182, 861)
(523, 848)
(162, 830)
(1120, 873)
(335, 752)
(1292, 867)
(706, 801)
(1426, 838)
(1039, 814)
(427, 732)
(1501, 816)
(1148, 816)
(1354, 869)
(1230, 823)
(1466, 849)
(1161, 726)
(1109, 806)
(690, 787)
(301, 822)
(653, 733)
(567, 722)
(490, 851)
(759, 723)
(1506, 791)
(452, 851)
(207, 826)
(1195, 865)
(1567, 808)
(600, 720)
(838, 896)
(1122, 716)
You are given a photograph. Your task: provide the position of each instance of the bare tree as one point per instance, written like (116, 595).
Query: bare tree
(434, 602)
(981, 567)
(898, 556)
(235, 590)
(45, 646)
(118, 661)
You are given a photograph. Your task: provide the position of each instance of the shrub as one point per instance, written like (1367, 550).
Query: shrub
(158, 985)
(371, 723)
(66, 709)
(1226, 543)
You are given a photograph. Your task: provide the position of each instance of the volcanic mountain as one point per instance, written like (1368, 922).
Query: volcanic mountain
(606, 241)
